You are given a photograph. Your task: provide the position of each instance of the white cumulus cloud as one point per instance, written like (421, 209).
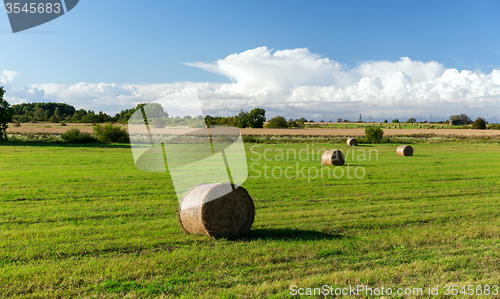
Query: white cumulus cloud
(296, 83)
(6, 78)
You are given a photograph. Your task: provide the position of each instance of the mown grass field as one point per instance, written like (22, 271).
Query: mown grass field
(83, 222)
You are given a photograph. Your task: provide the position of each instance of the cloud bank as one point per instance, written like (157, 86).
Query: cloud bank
(296, 83)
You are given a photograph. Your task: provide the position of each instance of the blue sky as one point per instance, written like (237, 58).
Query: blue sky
(141, 43)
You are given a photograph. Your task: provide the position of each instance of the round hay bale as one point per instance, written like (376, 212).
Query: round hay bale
(333, 157)
(217, 210)
(352, 142)
(404, 150)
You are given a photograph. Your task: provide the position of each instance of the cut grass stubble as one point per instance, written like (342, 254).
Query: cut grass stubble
(83, 221)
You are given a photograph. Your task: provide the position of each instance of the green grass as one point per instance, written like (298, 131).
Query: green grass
(83, 222)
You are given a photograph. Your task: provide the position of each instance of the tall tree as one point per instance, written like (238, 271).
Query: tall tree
(242, 121)
(47, 114)
(256, 118)
(155, 110)
(40, 114)
(465, 119)
(6, 113)
(57, 113)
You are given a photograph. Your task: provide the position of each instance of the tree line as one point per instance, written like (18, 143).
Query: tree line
(61, 112)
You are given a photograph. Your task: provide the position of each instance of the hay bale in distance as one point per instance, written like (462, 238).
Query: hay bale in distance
(404, 150)
(333, 157)
(217, 210)
(352, 142)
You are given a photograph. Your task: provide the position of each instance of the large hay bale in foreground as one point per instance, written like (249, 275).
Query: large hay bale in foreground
(217, 210)
(352, 142)
(404, 150)
(333, 157)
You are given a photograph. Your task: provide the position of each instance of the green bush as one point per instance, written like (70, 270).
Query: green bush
(479, 124)
(277, 122)
(75, 136)
(374, 135)
(291, 123)
(110, 133)
(494, 126)
(54, 119)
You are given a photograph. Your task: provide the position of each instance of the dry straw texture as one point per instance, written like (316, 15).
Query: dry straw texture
(352, 142)
(405, 150)
(27, 128)
(217, 210)
(333, 157)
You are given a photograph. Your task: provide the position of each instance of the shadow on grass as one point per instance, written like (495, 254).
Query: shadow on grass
(288, 235)
(63, 144)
